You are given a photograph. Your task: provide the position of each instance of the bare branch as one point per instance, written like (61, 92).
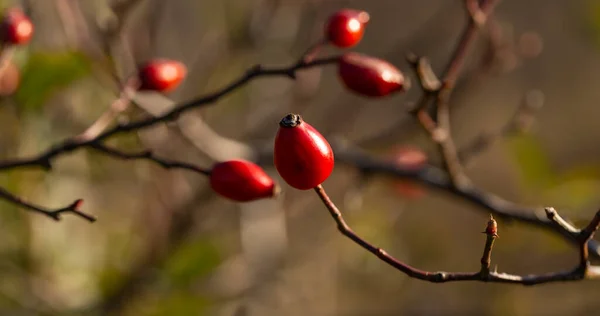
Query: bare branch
(118, 106)
(44, 159)
(439, 179)
(55, 214)
(440, 130)
(484, 275)
(149, 155)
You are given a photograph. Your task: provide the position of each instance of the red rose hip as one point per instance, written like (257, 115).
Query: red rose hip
(369, 76)
(302, 156)
(346, 27)
(17, 29)
(242, 181)
(162, 75)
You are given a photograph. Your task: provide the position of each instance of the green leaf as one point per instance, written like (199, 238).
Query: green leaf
(46, 73)
(191, 261)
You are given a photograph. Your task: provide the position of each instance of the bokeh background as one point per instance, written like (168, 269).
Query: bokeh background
(164, 244)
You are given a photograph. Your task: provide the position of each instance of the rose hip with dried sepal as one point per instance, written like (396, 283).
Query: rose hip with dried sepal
(242, 181)
(302, 156)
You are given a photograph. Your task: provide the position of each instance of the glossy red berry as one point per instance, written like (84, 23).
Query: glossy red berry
(369, 76)
(346, 27)
(17, 29)
(302, 156)
(162, 75)
(242, 181)
(409, 158)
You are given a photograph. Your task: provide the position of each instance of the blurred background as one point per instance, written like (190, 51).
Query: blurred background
(165, 244)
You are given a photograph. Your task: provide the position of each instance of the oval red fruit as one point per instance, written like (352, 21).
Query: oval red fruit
(346, 27)
(302, 156)
(370, 76)
(409, 158)
(17, 28)
(242, 181)
(162, 75)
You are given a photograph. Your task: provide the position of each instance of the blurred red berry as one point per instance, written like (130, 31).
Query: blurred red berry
(302, 156)
(242, 181)
(162, 75)
(409, 158)
(346, 27)
(369, 76)
(17, 29)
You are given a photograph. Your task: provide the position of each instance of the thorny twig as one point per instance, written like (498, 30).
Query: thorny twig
(582, 271)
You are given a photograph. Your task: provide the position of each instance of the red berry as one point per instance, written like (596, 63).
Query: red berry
(161, 75)
(17, 29)
(346, 27)
(409, 158)
(370, 76)
(242, 181)
(302, 156)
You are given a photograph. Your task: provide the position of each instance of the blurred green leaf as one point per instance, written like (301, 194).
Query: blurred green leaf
(191, 261)
(535, 167)
(574, 188)
(45, 73)
(176, 303)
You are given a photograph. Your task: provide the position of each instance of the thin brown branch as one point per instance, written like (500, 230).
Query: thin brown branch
(484, 275)
(440, 130)
(55, 214)
(118, 106)
(149, 155)
(561, 223)
(476, 19)
(486, 201)
(44, 159)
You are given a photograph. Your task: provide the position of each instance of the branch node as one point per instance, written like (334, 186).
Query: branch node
(46, 164)
(428, 80)
(254, 70)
